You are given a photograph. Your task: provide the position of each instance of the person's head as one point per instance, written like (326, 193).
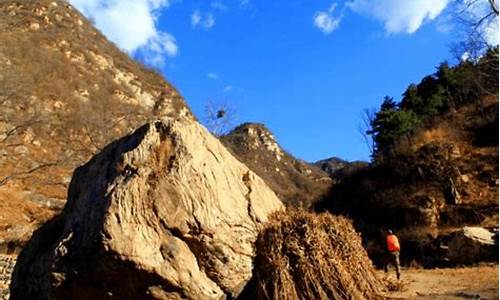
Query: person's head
(389, 231)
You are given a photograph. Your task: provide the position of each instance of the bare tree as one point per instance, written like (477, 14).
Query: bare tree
(367, 116)
(476, 19)
(220, 117)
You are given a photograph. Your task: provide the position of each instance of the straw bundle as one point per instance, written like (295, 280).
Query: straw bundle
(309, 256)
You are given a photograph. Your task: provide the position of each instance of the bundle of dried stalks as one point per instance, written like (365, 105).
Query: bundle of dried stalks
(313, 256)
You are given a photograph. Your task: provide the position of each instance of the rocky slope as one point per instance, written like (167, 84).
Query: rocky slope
(164, 213)
(444, 177)
(296, 182)
(65, 93)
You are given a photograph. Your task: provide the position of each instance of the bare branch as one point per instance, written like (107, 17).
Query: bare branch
(494, 6)
(219, 117)
(24, 174)
(367, 117)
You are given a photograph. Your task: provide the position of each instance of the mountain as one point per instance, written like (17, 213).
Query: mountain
(65, 91)
(338, 168)
(296, 182)
(331, 165)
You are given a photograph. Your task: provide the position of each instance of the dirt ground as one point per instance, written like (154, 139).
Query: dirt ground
(479, 282)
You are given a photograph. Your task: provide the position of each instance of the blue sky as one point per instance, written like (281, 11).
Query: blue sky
(306, 69)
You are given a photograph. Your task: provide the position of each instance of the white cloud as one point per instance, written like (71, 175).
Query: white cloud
(154, 52)
(491, 33)
(195, 18)
(400, 15)
(218, 5)
(325, 20)
(465, 56)
(244, 3)
(212, 75)
(228, 88)
(131, 25)
(206, 21)
(209, 21)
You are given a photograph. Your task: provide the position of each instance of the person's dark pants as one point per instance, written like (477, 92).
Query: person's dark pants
(393, 259)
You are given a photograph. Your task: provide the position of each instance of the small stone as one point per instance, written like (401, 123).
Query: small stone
(465, 178)
(455, 152)
(34, 26)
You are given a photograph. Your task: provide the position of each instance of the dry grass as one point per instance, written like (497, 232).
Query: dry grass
(439, 133)
(394, 285)
(17, 213)
(60, 83)
(313, 256)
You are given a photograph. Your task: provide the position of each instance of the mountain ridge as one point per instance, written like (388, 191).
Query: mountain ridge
(296, 182)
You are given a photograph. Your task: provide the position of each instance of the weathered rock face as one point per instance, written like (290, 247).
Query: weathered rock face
(422, 210)
(164, 213)
(471, 245)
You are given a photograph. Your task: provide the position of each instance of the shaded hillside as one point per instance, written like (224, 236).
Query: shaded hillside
(338, 168)
(65, 92)
(296, 182)
(440, 178)
(331, 165)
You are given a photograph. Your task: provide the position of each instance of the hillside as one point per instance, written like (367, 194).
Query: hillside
(434, 169)
(294, 181)
(444, 177)
(66, 91)
(331, 165)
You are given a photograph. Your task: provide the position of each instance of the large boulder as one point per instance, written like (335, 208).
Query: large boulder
(471, 245)
(164, 213)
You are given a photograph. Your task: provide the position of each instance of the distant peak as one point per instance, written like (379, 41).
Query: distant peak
(248, 125)
(257, 136)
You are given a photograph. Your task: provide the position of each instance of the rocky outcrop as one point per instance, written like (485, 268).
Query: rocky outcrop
(296, 182)
(422, 210)
(164, 213)
(471, 245)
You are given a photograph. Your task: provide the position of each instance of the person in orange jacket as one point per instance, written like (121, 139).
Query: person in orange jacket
(393, 248)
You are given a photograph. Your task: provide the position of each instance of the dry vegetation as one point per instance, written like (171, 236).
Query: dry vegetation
(442, 177)
(307, 256)
(65, 93)
(62, 83)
